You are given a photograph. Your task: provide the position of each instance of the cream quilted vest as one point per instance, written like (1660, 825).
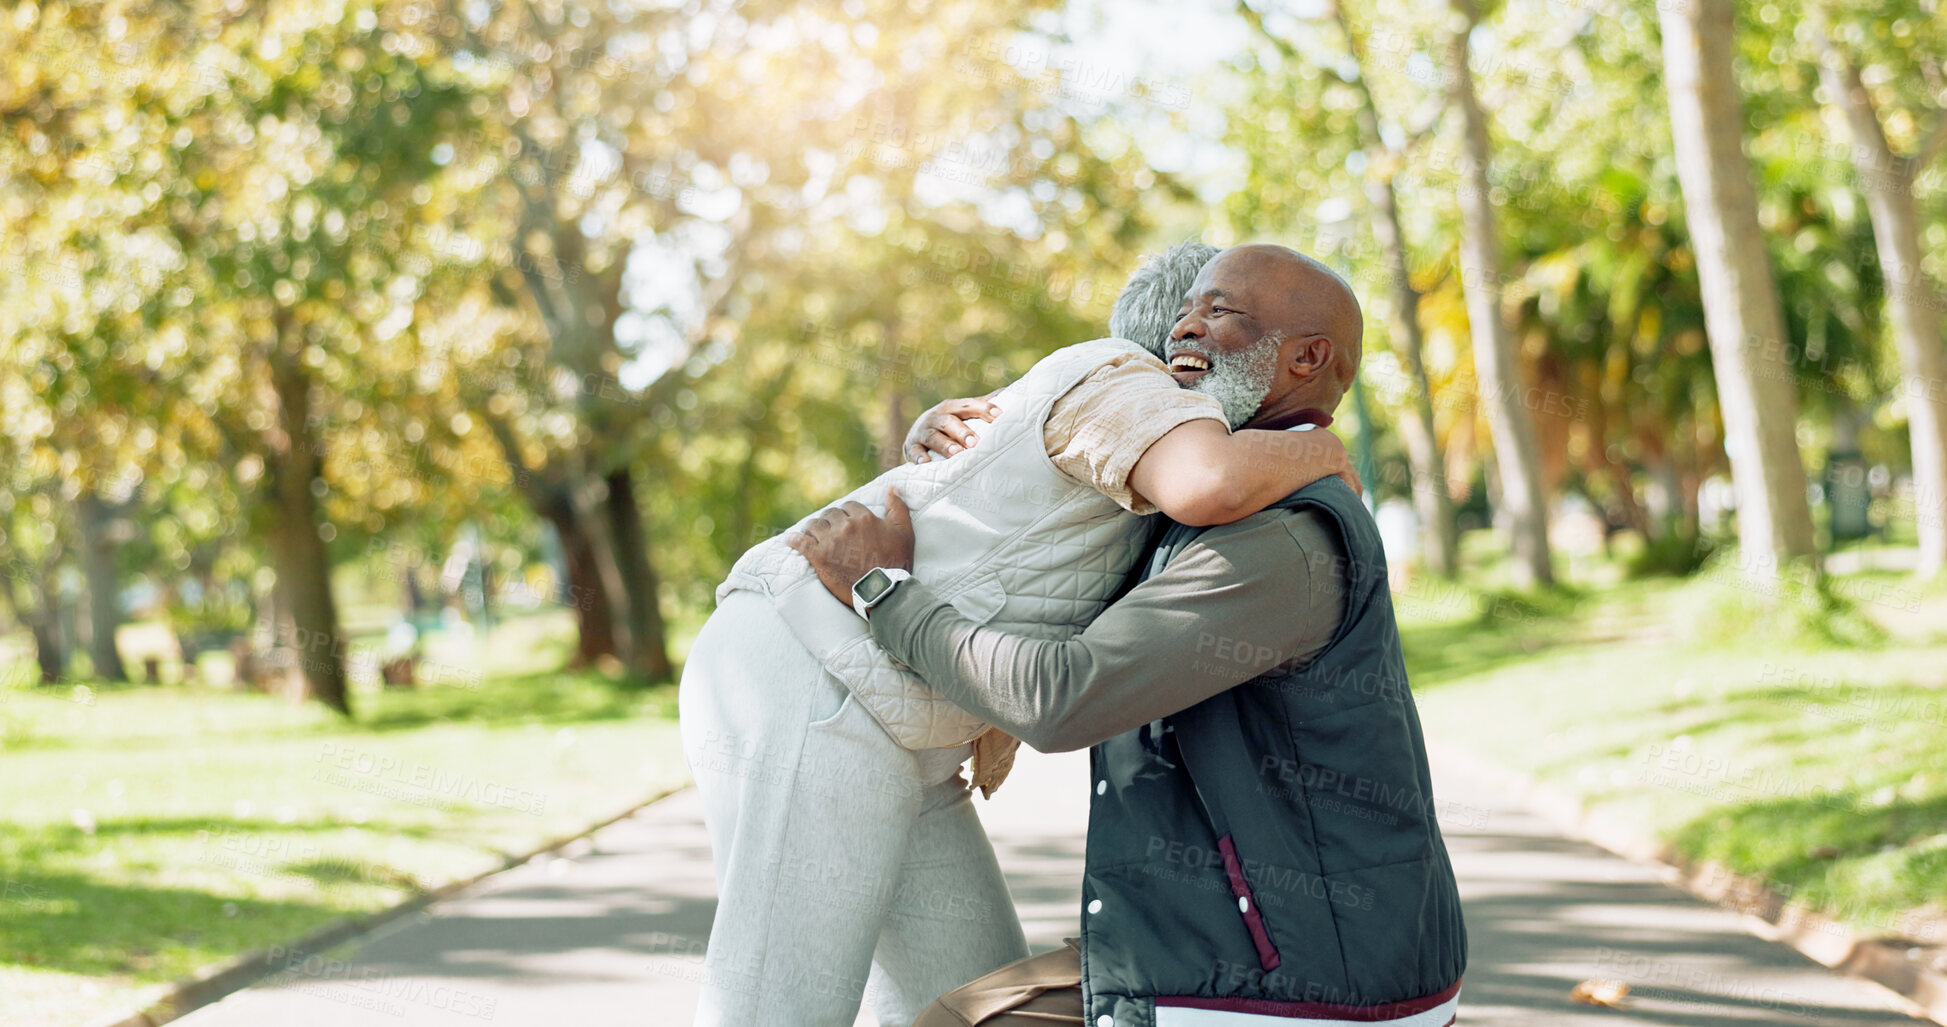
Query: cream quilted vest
(1003, 535)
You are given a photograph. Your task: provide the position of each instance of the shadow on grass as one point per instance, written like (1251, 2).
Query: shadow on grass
(344, 870)
(84, 926)
(1813, 834)
(219, 828)
(1804, 844)
(1439, 653)
(551, 697)
(1790, 714)
(1507, 627)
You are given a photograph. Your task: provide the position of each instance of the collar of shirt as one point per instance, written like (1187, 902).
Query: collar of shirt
(1302, 420)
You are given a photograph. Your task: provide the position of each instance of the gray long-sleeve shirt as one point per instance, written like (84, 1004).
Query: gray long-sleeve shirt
(1243, 599)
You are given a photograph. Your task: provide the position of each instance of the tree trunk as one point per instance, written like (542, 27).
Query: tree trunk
(192, 644)
(1742, 317)
(1548, 375)
(648, 653)
(594, 618)
(1432, 493)
(102, 532)
(1516, 450)
(1914, 305)
(48, 654)
(590, 498)
(1439, 536)
(550, 493)
(33, 616)
(297, 550)
(1618, 472)
(413, 597)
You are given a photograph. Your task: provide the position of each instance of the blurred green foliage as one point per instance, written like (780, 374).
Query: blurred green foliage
(378, 273)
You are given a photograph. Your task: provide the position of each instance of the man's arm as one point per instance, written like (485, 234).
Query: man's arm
(1238, 602)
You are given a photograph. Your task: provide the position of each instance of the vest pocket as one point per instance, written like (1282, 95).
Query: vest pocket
(1268, 958)
(1267, 953)
(981, 599)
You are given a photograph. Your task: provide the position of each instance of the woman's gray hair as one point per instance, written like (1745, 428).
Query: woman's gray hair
(1148, 306)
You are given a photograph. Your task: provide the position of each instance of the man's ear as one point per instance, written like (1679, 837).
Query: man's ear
(1311, 356)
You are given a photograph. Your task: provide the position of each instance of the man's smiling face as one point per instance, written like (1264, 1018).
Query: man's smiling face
(1218, 317)
(1218, 346)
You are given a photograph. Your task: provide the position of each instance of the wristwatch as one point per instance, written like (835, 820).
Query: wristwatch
(878, 583)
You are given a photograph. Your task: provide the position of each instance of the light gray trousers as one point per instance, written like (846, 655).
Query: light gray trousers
(847, 867)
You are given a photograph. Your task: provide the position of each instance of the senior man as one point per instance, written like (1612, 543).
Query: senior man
(1262, 847)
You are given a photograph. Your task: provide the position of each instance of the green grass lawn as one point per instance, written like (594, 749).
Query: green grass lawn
(151, 831)
(1806, 747)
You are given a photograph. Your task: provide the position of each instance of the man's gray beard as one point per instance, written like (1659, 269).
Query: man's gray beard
(1240, 381)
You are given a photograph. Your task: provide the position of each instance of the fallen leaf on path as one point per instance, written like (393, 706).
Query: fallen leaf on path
(1600, 993)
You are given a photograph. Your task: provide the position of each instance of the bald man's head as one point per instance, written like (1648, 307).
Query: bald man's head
(1322, 302)
(1286, 329)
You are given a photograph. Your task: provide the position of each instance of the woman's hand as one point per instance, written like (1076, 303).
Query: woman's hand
(1312, 454)
(942, 431)
(1328, 447)
(993, 757)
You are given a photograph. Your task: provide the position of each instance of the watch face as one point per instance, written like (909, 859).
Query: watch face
(874, 585)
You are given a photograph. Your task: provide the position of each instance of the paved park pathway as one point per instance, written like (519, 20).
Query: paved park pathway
(613, 933)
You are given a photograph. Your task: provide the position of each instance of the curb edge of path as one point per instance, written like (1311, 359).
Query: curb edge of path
(1816, 937)
(220, 980)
